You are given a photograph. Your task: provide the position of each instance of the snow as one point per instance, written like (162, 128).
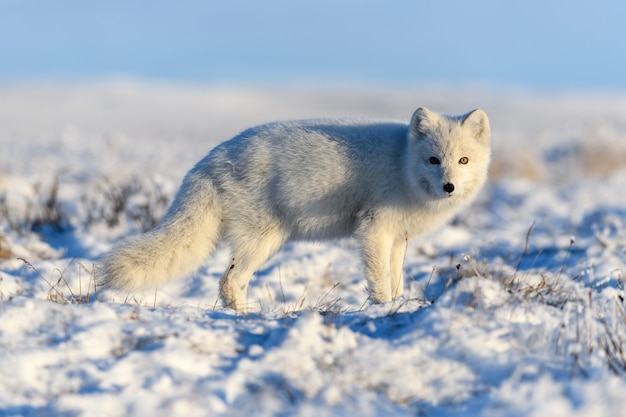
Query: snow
(514, 309)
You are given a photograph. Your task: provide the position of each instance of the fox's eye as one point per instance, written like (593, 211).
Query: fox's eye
(463, 160)
(434, 161)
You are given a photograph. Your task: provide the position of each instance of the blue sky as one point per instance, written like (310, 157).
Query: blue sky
(540, 44)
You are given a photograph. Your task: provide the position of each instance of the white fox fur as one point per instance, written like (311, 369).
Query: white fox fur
(381, 182)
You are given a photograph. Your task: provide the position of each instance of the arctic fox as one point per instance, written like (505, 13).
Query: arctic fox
(381, 182)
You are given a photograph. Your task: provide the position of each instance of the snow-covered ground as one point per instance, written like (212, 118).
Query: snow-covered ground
(514, 309)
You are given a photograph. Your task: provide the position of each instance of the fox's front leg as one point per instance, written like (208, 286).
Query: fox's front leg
(376, 252)
(396, 264)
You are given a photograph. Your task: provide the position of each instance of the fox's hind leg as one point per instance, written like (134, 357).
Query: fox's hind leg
(248, 255)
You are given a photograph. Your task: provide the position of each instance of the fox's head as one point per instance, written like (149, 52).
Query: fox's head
(448, 156)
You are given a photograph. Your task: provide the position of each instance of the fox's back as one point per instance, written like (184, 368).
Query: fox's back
(319, 137)
(316, 153)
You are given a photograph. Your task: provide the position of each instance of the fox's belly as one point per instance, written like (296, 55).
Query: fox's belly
(320, 227)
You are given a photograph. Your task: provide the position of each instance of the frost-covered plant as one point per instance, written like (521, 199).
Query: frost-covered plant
(133, 201)
(592, 326)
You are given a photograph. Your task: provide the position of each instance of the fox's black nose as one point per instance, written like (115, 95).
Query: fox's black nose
(448, 188)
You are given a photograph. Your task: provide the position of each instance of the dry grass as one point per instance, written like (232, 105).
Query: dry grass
(326, 303)
(5, 249)
(59, 289)
(594, 156)
(601, 157)
(134, 201)
(520, 164)
(41, 208)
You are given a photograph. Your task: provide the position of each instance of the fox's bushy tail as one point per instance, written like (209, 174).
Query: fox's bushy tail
(186, 236)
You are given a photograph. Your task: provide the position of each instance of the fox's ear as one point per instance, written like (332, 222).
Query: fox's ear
(477, 123)
(422, 122)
